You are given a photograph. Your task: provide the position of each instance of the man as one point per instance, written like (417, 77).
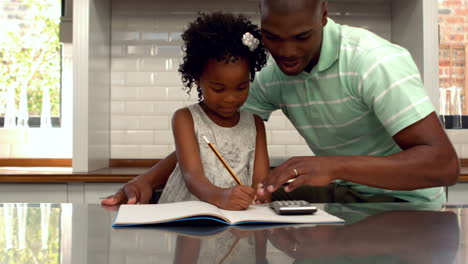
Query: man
(358, 101)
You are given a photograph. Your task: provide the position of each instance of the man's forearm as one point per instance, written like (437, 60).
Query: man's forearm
(414, 168)
(158, 175)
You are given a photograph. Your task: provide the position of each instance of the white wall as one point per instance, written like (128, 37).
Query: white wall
(91, 82)
(146, 87)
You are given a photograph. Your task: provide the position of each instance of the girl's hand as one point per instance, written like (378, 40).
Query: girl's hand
(262, 196)
(135, 191)
(237, 198)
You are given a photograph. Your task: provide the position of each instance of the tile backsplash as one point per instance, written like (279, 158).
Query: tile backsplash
(146, 86)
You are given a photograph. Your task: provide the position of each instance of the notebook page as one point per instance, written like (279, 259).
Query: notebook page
(263, 213)
(158, 213)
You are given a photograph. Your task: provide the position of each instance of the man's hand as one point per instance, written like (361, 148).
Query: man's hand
(315, 171)
(133, 192)
(303, 242)
(236, 198)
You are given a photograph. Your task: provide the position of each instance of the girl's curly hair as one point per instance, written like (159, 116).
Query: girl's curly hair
(218, 35)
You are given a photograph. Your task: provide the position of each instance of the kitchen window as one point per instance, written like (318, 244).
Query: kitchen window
(30, 64)
(453, 56)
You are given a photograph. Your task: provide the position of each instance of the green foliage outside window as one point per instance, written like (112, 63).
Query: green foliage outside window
(30, 53)
(34, 252)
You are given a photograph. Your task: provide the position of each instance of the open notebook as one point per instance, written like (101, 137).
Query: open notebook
(151, 214)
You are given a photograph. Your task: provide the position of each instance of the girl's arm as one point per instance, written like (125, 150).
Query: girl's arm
(261, 163)
(188, 156)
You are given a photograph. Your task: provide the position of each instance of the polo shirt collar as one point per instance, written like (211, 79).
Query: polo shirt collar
(330, 45)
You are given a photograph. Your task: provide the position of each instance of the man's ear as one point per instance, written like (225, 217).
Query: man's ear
(324, 12)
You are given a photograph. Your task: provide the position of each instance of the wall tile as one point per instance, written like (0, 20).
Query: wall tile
(139, 137)
(458, 136)
(117, 78)
(125, 64)
(139, 50)
(286, 137)
(125, 152)
(124, 122)
(268, 136)
(277, 113)
(154, 122)
(464, 154)
(276, 122)
(119, 36)
(168, 78)
(176, 36)
(170, 51)
(124, 93)
(153, 64)
(139, 78)
(141, 23)
(167, 107)
(178, 94)
(289, 125)
(117, 107)
(119, 23)
(171, 21)
(154, 151)
(276, 150)
(123, 7)
(153, 93)
(117, 137)
(458, 149)
(163, 36)
(117, 50)
(298, 150)
(139, 107)
(163, 137)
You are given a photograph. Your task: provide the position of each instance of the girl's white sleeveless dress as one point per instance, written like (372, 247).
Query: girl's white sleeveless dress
(236, 145)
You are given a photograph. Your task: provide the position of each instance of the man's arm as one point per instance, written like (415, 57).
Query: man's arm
(385, 234)
(140, 189)
(428, 160)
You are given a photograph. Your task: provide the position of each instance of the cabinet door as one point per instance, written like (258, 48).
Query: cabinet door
(33, 193)
(94, 192)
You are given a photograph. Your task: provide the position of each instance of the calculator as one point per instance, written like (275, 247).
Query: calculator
(293, 207)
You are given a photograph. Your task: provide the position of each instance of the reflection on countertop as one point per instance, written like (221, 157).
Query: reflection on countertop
(373, 233)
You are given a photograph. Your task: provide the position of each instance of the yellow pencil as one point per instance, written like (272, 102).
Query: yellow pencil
(223, 161)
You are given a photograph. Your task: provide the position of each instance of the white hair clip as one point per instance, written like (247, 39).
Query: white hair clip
(250, 41)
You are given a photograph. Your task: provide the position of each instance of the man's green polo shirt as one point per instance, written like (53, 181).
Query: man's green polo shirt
(362, 92)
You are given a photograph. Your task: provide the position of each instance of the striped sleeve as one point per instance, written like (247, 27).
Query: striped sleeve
(258, 101)
(392, 88)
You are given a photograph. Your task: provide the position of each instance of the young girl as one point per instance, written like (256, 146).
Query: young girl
(222, 54)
